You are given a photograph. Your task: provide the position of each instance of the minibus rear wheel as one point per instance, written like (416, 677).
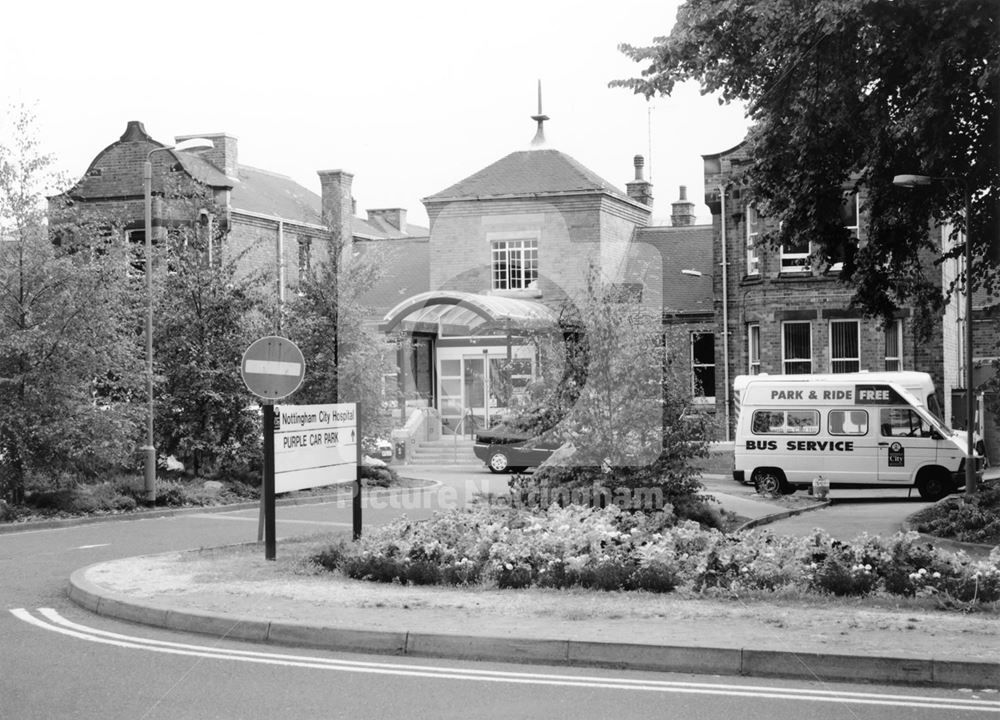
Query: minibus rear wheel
(771, 481)
(934, 484)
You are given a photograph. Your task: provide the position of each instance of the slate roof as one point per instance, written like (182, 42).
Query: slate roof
(268, 193)
(663, 253)
(528, 172)
(406, 265)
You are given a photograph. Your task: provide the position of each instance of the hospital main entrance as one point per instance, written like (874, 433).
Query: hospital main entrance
(478, 387)
(468, 356)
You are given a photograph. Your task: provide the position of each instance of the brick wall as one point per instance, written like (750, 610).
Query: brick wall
(572, 232)
(771, 298)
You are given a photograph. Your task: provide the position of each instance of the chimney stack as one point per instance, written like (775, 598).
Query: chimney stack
(395, 217)
(683, 210)
(337, 204)
(223, 155)
(640, 190)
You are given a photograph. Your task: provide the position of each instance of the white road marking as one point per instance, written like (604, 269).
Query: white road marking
(214, 516)
(88, 547)
(56, 623)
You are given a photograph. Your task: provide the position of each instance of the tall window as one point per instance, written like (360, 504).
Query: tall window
(795, 258)
(796, 347)
(305, 257)
(894, 345)
(703, 367)
(514, 263)
(136, 240)
(753, 349)
(753, 232)
(844, 353)
(849, 217)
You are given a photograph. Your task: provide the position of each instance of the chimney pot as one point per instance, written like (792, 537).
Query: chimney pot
(682, 211)
(639, 162)
(639, 189)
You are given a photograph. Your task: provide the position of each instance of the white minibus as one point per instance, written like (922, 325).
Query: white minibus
(855, 430)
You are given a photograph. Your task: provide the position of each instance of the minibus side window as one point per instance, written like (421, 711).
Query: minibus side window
(785, 422)
(903, 422)
(804, 422)
(847, 422)
(768, 422)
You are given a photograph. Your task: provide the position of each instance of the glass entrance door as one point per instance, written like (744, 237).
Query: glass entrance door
(476, 380)
(477, 389)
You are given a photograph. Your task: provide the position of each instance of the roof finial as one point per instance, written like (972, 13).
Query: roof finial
(539, 139)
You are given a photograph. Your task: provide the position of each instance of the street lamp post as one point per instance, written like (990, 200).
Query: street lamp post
(149, 449)
(910, 181)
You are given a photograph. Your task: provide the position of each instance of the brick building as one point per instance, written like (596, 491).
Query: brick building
(261, 219)
(778, 312)
(510, 248)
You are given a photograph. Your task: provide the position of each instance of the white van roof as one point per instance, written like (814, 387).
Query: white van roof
(909, 379)
(836, 389)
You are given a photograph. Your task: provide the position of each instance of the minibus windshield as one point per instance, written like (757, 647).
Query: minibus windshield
(935, 410)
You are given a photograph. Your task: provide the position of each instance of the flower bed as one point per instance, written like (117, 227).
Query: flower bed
(608, 549)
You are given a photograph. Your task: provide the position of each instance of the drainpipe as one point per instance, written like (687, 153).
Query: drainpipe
(725, 314)
(279, 257)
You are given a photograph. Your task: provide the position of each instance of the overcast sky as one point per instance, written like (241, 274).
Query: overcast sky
(411, 97)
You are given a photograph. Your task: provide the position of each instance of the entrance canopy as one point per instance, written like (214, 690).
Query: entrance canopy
(460, 314)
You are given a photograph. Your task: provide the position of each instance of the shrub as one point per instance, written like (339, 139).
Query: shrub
(373, 567)
(656, 577)
(170, 493)
(841, 574)
(63, 500)
(331, 557)
(379, 476)
(422, 572)
(975, 519)
(461, 572)
(513, 577)
(609, 549)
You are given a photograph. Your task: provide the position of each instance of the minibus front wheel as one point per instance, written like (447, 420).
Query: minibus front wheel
(771, 481)
(933, 484)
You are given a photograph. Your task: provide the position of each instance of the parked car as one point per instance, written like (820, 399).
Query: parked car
(508, 452)
(376, 447)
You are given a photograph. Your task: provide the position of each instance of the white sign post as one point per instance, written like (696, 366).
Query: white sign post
(314, 445)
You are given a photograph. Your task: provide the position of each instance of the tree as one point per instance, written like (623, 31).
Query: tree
(206, 317)
(65, 337)
(845, 94)
(612, 395)
(346, 360)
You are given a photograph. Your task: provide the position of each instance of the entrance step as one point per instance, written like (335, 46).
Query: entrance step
(446, 451)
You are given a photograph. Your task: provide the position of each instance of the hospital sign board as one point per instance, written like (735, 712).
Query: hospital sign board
(314, 445)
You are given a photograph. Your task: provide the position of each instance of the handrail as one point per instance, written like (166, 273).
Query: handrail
(456, 433)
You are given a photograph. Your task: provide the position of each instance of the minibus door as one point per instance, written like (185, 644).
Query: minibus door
(906, 442)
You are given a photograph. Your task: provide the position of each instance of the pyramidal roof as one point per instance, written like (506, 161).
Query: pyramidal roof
(536, 172)
(528, 172)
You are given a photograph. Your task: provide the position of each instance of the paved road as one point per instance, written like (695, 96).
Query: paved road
(65, 663)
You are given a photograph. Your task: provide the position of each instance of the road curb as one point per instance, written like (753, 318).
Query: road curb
(344, 493)
(773, 517)
(658, 658)
(969, 548)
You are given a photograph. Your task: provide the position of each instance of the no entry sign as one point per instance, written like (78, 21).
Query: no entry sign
(273, 367)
